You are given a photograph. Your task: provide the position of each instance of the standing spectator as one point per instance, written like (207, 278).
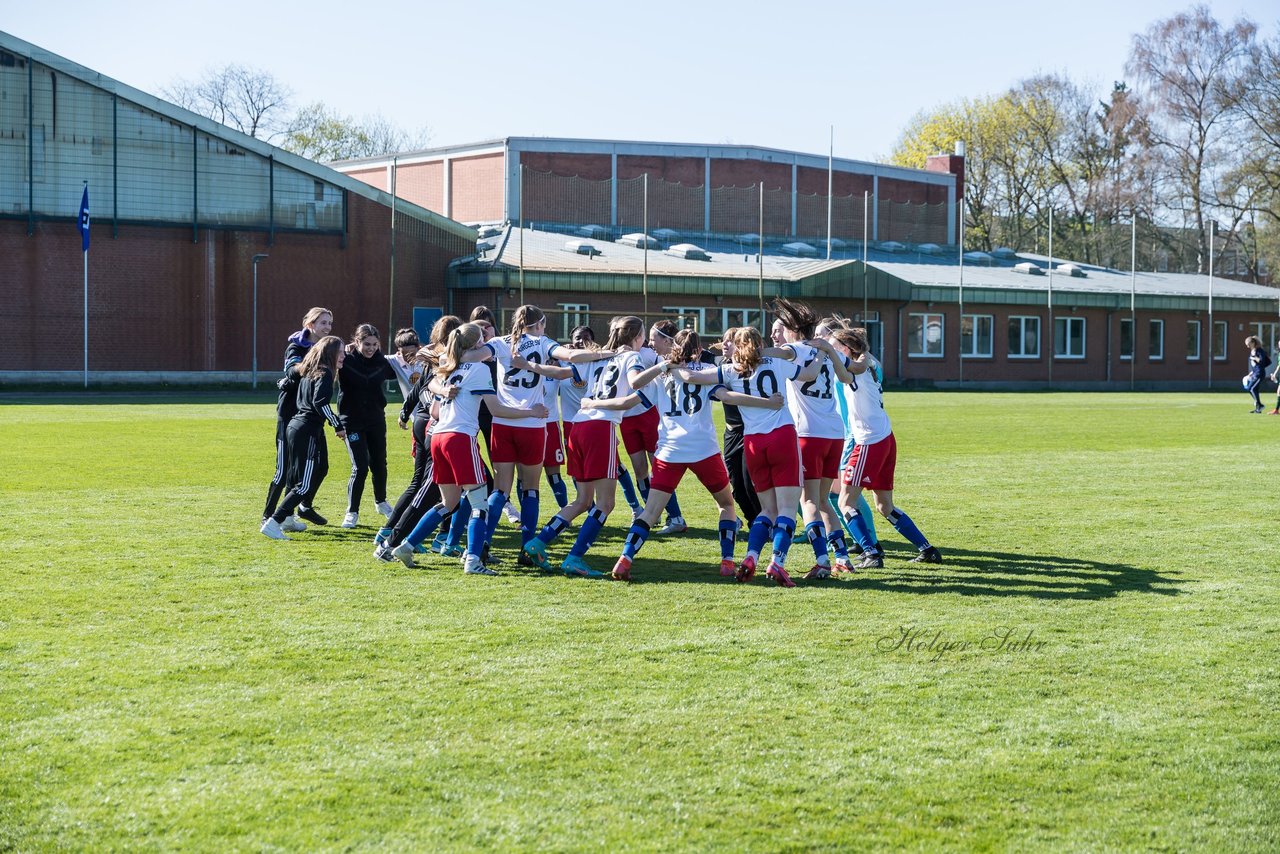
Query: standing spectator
(362, 407)
(1259, 361)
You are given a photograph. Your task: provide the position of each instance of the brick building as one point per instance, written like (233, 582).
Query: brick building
(180, 206)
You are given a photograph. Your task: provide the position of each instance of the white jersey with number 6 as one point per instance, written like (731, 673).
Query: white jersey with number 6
(770, 376)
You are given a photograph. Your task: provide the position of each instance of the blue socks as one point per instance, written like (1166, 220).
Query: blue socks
(673, 507)
(459, 524)
(555, 528)
(838, 544)
(783, 530)
(856, 523)
(759, 533)
(644, 489)
(558, 489)
(628, 489)
(817, 536)
(728, 539)
(591, 527)
(477, 525)
(635, 538)
(528, 514)
(902, 523)
(426, 525)
(864, 509)
(497, 501)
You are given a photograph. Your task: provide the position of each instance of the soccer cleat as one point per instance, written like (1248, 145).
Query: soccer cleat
(383, 536)
(382, 552)
(675, 525)
(384, 508)
(843, 564)
(575, 567)
(271, 528)
(871, 560)
(928, 555)
(512, 514)
(536, 552)
(1275, 411)
(351, 520)
(292, 525)
(778, 574)
(472, 565)
(622, 569)
(404, 553)
(1257, 410)
(855, 549)
(727, 567)
(310, 514)
(446, 549)
(747, 570)
(818, 573)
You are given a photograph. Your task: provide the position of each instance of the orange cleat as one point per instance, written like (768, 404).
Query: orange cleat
(622, 569)
(728, 568)
(778, 574)
(747, 570)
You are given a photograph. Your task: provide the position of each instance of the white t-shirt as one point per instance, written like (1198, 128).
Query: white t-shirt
(521, 389)
(407, 373)
(552, 396)
(641, 360)
(868, 421)
(462, 414)
(572, 390)
(770, 376)
(813, 403)
(686, 429)
(610, 384)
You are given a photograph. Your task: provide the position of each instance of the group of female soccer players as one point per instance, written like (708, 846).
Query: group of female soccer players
(806, 433)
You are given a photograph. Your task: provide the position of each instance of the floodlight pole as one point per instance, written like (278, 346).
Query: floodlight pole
(866, 206)
(256, 259)
(1212, 227)
(644, 281)
(521, 191)
(1049, 354)
(760, 238)
(831, 154)
(1133, 301)
(960, 293)
(391, 295)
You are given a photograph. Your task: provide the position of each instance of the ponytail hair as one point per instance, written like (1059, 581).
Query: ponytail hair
(525, 316)
(748, 346)
(852, 338)
(460, 341)
(686, 348)
(667, 328)
(796, 316)
(365, 330)
(323, 356)
(623, 330)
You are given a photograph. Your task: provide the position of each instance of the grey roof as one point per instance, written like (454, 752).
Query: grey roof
(15, 45)
(545, 250)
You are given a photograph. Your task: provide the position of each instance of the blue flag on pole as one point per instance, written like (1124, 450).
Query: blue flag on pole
(84, 220)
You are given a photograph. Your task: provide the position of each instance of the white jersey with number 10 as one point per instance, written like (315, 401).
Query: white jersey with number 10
(770, 376)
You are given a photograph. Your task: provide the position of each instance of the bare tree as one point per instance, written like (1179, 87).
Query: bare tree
(248, 99)
(1191, 68)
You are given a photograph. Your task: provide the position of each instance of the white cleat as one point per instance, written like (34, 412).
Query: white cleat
(675, 525)
(271, 528)
(293, 525)
(351, 520)
(512, 514)
(472, 565)
(384, 508)
(404, 554)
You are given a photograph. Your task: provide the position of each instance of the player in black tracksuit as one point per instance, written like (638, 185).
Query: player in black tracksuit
(362, 407)
(315, 325)
(422, 493)
(305, 433)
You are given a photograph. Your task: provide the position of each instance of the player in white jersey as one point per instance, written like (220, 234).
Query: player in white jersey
(455, 456)
(524, 357)
(824, 330)
(593, 454)
(686, 442)
(875, 456)
(639, 427)
(820, 433)
(772, 450)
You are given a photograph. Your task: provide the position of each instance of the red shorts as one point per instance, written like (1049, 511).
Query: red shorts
(711, 471)
(820, 457)
(455, 458)
(871, 466)
(773, 459)
(640, 432)
(554, 454)
(523, 445)
(568, 458)
(593, 451)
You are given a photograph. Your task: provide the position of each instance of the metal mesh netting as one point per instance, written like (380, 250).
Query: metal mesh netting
(563, 202)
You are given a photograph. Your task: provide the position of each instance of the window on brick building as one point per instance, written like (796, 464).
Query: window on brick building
(574, 314)
(1266, 333)
(1193, 340)
(1126, 339)
(1068, 337)
(1155, 340)
(1024, 337)
(1220, 340)
(687, 317)
(925, 335)
(975, 335)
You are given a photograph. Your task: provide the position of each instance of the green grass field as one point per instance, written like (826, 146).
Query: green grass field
(171, 679)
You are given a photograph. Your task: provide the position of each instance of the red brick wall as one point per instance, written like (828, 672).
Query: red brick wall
(476, 184)
(690, 171)
(422, 184)
(594, 167)
(159, 302)
(376, 177)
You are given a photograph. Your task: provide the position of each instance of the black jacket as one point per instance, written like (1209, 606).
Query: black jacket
(360, 381)
(314, 394)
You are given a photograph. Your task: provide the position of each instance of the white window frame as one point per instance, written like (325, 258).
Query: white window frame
(1133, 341)
(875, 337)
(574, 314)
(1219, 324)
(973, 336)
(1022, 336)
(746, 313)
(697, 311)
(1153, 339)
(1266, 332)
(1194, 324)
(1065, 338)
(926, 319)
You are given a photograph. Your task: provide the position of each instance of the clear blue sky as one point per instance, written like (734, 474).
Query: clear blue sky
(774, 74)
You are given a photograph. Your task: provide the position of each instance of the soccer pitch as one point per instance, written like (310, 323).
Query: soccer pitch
(1094, 666)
